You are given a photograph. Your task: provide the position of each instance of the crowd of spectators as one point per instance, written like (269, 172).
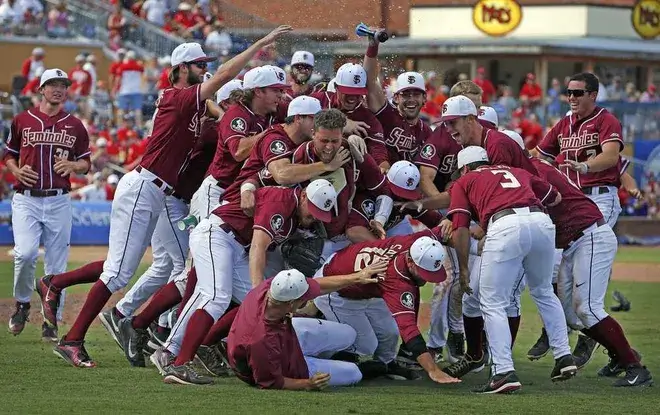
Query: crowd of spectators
(34, 18)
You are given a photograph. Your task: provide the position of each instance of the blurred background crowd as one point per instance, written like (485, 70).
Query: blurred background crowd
(116, 105)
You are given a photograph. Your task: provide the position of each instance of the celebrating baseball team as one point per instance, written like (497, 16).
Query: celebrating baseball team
(280, 223)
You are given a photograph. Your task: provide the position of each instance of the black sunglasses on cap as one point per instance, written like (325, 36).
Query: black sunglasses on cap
(577, 92)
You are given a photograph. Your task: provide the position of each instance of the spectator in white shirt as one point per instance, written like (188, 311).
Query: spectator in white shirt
(219, 41)
(90, 66)
(130, 95)
(154, 11)
(94, 192)
(650, 95)
(11, 16)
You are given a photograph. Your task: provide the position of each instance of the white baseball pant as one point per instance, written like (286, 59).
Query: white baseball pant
(135, 209)
(330, 246)
(34, 219)
(170, 250)
(608, 203)
(515, 243)
(319, 340)
(584, 276)
(206, 198)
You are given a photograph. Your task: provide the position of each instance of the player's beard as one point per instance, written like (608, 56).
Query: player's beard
(409, 114)
(194, 79)
(300, 78)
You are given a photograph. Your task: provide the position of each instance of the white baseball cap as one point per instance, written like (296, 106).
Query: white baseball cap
(303, 105)
(302, 57)
(207, 76)
(410, 80)
(515, 137)
(322, 197)
(38, 51)
(267, 76)
(113, 179)
(189, 52)
(55, 73)
(226, 90)
(489, 115)
(404, 179)
(471, 154)
(351, 79)
(457, 107)
(80, 58)
(429, 255)
(331, 87)
(101, 142)
(291, 284)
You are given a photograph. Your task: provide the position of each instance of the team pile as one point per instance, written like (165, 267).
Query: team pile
(315, 186)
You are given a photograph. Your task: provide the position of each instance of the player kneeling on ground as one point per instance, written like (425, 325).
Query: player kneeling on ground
(269, 349)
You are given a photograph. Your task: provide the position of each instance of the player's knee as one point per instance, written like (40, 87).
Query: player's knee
(351, 373)
(471, 307)
(343, 333)
(215, 308)
(366, 341)
(26, 255)
(590, 314)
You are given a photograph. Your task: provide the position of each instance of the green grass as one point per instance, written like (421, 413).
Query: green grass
(35, 381)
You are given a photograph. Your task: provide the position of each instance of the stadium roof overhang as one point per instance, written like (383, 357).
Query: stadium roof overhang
(590, 47)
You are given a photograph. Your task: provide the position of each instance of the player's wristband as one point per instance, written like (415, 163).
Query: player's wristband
(248, 187)
(417, 346)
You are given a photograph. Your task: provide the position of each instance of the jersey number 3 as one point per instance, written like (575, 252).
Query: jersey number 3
(510, 181)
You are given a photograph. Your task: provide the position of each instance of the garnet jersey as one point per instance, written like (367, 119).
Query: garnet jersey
(402, 139)
(575, 213)
(485, 191)
(439, 152)
(364, 209)
(237, 123)
(37, 140)
(581, 140)
(502, 150)
(177, 127)
(200, 159)
(346, 181)
(275, 212)
(397, 288)
(274, 145)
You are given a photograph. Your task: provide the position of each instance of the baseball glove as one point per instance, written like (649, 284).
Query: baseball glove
(303, 254)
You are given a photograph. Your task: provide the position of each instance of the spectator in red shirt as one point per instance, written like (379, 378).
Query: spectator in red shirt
(531, 92)
(486, 86)
(114, 68)
(164, 80)
(32, 64)
(81, 80)
(32, 88)
(531, 131)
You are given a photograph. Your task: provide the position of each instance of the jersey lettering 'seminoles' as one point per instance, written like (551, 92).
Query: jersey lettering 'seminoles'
(32, 138)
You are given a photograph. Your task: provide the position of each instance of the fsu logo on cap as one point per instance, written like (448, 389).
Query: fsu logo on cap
(410, 182)
(411, 79)
(482, 112)
(59, 73)
(356, 79)
(437, 264)
(328, 203)
(280, 76)
(305, 56)
(444, 108)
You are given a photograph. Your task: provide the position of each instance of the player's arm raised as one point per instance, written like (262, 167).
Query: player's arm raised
(376, 97)
(230, 69)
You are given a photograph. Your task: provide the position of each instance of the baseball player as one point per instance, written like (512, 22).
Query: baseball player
(241, 126)
(403, 131)
(270, 350)
(142, 192)
(588, 249)
(224, 271)
(45, 146)
(302, 66)
(379, 312)
(590, 140)
(508, 202)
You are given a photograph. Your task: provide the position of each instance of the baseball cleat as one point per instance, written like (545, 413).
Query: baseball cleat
(467, 365)
(503, 383)
(74, 353)
(132, 340)
(584, 350)
(50, 299)
(455, 347)
(540, 348)
(157, 337)
(162, 358)
(185, 375)
(395, 371)
(564, 369)
(636, 375)
(110, 321)
(48, 333)
(210, 359)
(19, 318)
(613, 369)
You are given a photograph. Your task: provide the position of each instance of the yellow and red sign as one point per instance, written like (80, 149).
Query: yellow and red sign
(497, 17)
(646, 18)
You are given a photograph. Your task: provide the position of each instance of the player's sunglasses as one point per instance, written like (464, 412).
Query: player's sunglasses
(576, 92)
(200, 65)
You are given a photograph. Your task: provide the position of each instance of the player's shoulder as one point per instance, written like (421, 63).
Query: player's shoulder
(604, 116)
(279, 197)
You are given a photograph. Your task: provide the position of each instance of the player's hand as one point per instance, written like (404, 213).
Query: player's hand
(319, 381)
(63, 167)
(27, 176)
(342, 157)
(384, 167)
(414, 205)
(446, 228)
(579, 167)
(464, 280)
(358, 147)
(377, 229)
(213, 110)
(480, 246)
(370, 274)
(635, 192)
(274, 35)
(248, 202)
(438, 376)
(356, 127)
(476, 232)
